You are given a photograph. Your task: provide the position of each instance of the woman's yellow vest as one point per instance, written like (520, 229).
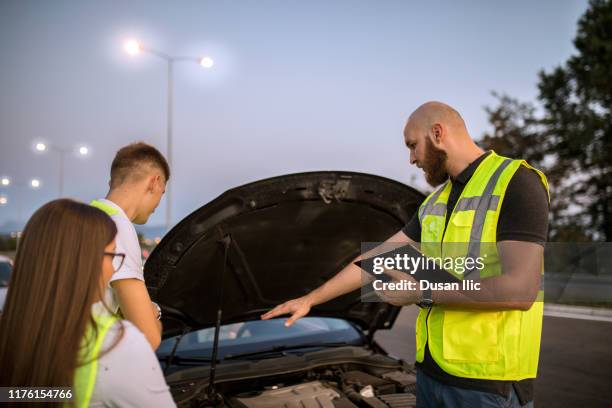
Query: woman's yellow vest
(85, 375)
(489, 345)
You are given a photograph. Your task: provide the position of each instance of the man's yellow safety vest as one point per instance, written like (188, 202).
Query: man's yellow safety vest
(85, 375)
(488, 345)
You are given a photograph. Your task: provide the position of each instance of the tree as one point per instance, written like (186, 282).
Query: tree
(571, 141)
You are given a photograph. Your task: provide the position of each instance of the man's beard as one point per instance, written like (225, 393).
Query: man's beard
(434, 164)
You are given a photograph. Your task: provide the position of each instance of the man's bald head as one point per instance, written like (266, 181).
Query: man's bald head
(439, 142)
(426, 116)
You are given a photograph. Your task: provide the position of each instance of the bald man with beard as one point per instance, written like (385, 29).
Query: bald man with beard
(474, 348)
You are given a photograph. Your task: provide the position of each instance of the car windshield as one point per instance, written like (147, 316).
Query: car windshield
(263, 335)
(5, 273)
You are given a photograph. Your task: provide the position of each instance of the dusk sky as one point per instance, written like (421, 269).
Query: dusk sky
(296, 86)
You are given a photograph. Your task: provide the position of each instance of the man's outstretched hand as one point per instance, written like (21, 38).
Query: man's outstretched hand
(298, 308)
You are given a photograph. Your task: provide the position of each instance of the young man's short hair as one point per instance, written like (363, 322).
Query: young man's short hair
(131, 163)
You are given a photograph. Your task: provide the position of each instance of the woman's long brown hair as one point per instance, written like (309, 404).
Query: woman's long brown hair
(53, 286)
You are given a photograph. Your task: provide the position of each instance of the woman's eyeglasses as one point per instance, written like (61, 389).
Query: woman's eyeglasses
(117, 259)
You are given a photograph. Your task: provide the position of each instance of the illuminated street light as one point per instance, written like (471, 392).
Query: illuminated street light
(207, 62)
(81, 150)
(34, 182)
(14, 201)
(134, 47)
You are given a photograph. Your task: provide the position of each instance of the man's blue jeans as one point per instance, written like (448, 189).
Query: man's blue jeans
(434, 394)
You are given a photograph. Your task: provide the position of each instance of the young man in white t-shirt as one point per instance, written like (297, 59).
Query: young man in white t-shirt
(139, 174)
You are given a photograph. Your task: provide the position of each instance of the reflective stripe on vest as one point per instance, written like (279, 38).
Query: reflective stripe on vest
(85, 375)
(107, 208)
(491, 345)
(464, 204)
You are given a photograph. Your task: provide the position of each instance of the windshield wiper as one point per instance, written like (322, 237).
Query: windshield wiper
(169, 359)
(178, 360)
(284, 347)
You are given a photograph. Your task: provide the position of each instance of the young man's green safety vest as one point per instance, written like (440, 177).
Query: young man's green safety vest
(85, 375)
(488, 345)
(108, 209)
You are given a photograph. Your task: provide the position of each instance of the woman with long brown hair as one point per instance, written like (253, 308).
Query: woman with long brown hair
(54, 330)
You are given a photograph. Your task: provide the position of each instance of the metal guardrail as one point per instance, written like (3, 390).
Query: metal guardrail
(578, 288)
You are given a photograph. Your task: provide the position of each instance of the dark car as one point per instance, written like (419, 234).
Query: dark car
(6, 268)
(254, 247)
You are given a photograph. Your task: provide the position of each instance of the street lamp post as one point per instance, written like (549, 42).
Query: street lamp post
(6, 182)
(34, 183)
(133, 47)
(82, 151)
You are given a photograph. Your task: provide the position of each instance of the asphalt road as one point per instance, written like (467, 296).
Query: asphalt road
(575, 367)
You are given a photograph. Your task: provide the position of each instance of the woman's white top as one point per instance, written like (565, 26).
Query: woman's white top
(129, 375)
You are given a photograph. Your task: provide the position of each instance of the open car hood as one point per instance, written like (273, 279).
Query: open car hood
(283, 237)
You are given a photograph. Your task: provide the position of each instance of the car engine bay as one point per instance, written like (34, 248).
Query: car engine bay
(337, 386)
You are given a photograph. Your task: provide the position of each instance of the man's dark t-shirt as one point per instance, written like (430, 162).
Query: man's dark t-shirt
(523, 217)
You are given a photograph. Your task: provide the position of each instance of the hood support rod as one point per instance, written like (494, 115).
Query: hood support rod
(375, 322)
(170, 358)
(212, 394)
